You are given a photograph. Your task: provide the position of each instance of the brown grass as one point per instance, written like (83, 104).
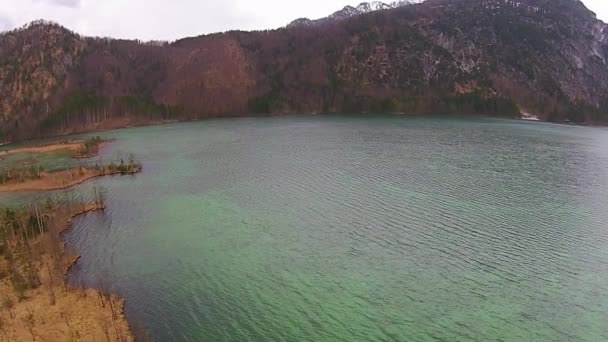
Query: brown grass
(60, 179)
(75, 147)
(75, 315)
(71, 146)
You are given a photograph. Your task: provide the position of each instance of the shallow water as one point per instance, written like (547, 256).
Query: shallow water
(338, 228)
(47, 161)
(52, 161)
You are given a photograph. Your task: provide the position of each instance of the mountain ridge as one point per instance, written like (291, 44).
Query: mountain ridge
(493, 57)
(350, 11)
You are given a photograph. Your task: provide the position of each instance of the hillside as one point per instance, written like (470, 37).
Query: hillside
(490, 57)
(350, 11)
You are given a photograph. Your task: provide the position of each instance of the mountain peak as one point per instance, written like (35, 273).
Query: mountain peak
(350, 11)
(39, 25)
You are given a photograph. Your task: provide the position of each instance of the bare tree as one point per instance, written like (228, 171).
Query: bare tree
(3, 328)
(29, 322)
(105, 327)
(39, 220)
(102, 299)
(429, 66)
(64, 315)
(32, 277)
(8, 305)
(105, 288)
(99, 197)
(101, 193)
(51, 291)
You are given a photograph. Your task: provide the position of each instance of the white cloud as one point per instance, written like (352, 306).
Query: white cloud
(5, 23)
(172, 19)
(161, 19)
(600, 7)
(67, 3)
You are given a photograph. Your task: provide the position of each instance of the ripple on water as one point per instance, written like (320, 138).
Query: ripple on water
(345, 228)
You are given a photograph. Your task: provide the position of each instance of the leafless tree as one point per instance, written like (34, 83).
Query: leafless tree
(429, 66)
(105, 289)
(64, 315)
(29, 323)
(3, 328)
(51, 291)
(8, 304)
(105, 327)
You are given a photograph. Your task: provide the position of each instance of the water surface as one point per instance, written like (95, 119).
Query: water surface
(339, 228)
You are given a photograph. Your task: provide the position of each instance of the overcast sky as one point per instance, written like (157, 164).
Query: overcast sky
(172, 19)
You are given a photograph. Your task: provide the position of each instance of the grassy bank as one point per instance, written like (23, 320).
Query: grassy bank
(45, 181)
(35, 301)
(78, 148)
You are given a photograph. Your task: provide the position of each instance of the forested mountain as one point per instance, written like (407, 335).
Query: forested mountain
(495, 57)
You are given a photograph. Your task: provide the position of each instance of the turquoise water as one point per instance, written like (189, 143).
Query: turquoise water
(356, 228)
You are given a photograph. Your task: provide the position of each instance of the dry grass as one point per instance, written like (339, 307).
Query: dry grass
(71, 146)
(55, 312)
(76, 147)
(61, 179)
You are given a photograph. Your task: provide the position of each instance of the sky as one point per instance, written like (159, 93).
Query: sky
(173, 19)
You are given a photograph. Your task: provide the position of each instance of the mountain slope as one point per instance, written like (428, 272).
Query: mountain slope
(492, 57)
(350, 11)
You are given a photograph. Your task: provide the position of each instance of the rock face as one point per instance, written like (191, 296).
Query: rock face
(497, 57)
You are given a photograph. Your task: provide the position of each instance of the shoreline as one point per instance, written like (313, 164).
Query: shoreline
(71, 146)
(91, 208)
(75, 147)
(37, 303)
(68, 225)
(49, 181)
(53, 310)
(259, 115)
(73, 259)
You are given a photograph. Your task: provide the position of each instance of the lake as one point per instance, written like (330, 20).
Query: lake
(355, 228)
